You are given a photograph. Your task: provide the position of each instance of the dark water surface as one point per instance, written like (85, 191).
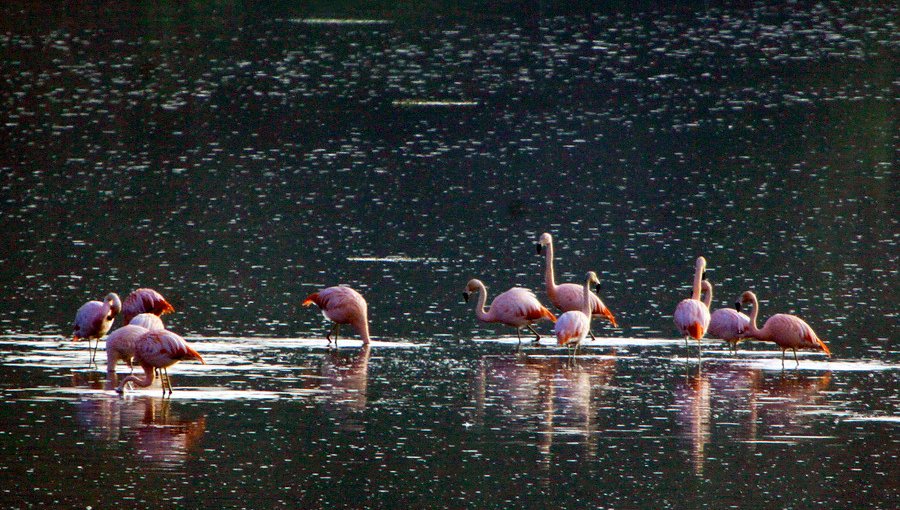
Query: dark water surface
(239, 159)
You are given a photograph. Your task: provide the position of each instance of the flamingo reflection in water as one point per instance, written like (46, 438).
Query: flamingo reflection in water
(769, 402)
(517, 389)
(148, 424)
(345, 379)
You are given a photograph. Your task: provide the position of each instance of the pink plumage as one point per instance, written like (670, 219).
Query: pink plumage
(787, 331)
(692, 315)
(517, 307)
(342, 305)
(159, 349)
(567, 296)
(573, 326)
(94, 319)
(120, 346)
(145, 300)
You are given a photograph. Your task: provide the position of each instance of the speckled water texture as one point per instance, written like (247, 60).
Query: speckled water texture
(238, 159)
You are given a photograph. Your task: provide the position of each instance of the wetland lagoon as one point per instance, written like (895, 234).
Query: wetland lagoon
(238, 159)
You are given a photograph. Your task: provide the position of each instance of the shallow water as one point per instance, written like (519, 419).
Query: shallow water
(239, 160)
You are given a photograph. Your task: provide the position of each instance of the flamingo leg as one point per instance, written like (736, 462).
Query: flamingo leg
(537, 336)
(334, 331)
(519, 335)
(782, 358)
(795, 357)
(591, 333)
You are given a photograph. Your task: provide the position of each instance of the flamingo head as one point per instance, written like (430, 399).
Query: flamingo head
(545, 240)
(473, 287)
(700, 266)
(746, 297)
(115, 304)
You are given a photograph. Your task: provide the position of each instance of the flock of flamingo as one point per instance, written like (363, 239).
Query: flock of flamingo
(145, 340)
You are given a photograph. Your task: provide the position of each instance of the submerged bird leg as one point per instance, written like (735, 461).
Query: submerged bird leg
(537, 336)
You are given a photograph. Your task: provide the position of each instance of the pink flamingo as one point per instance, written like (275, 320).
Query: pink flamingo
(725, 323)
(342, 305)
(145, 301)
(120, 346)
(94, 319)
(159, 349)
(788, 331)
(516, 307)
(149, 321)
(574, 325)
(567, 296)
(692, 315)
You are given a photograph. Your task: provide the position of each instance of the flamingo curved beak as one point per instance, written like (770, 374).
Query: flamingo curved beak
(537, 248)
(466, 297)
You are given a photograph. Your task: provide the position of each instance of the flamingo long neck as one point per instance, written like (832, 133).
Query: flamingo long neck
(479, 306)
(752, 330)
(362, 327)
(698, 278)
(587, 307)
(114, 303)
(707, 289)
(549, 277)
(143, 383)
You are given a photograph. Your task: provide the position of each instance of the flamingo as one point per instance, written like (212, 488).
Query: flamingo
(788, 331)
(516, 307)
(574, 325)
(342, 305)
(120, 346)
(567, 296)
(145, 301)
(159, 349)
(692, 315)
(147, 320)
(725, 323)
(94, 319)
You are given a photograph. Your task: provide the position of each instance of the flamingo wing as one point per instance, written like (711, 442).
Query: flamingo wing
(145, 300)
(692, 318)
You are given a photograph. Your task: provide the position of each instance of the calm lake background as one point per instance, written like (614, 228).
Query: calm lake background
(239, 158)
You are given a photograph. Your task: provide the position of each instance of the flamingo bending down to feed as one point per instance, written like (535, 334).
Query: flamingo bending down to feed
(516, 307)
(788, 331)
(159, 349)
(567, 296)
(145, 300)
(692, 315)
(120, 347)
(94, 319)
(728, 324)
(574, 325)
(342, 305)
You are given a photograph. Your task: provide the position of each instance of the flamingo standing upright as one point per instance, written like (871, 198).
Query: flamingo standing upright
(574, 325)
(692, 315)
(516, 307)
(567, 296)
(725, 323)
(94, 319)
(788, 331)
(342, 305)
(159, 349)
(145, 300)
